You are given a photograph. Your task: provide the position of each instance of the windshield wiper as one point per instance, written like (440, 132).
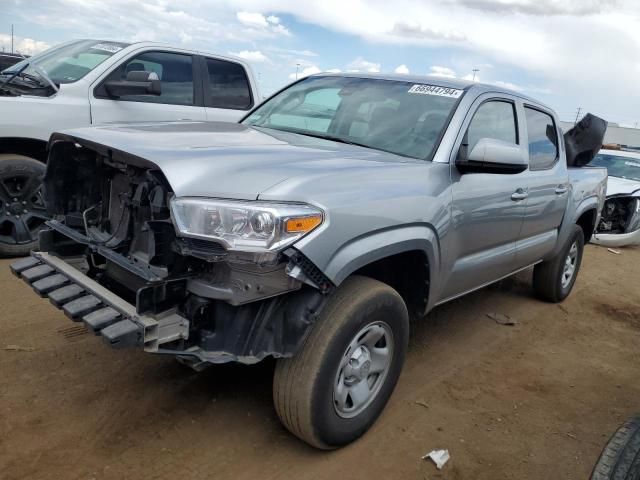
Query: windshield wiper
(42, 80)
(14, 74)
(326, 137)
(336, 139)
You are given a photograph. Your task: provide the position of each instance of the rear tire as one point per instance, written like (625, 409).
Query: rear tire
(22, 209)
(620, 458)
(338, 383)
(553, 280)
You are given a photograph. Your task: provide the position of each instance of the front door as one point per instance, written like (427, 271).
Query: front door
(487, 208)
(178, 100)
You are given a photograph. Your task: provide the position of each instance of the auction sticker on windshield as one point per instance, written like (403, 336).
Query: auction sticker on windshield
(436, 90)
(107, 47)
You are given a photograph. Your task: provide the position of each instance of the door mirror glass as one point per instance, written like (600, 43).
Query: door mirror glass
(493, 156)
(136, 83)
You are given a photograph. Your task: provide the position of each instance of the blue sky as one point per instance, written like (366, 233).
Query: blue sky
(570, 54)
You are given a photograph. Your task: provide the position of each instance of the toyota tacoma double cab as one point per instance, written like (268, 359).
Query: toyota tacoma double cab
(312, 230)
(93, 82)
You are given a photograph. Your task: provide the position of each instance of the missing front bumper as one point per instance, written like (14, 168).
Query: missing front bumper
(104, 313)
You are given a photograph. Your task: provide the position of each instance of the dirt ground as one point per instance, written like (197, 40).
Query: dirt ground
(536, 400)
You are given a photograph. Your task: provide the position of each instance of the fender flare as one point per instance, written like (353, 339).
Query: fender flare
(380, 244)
(571, 218)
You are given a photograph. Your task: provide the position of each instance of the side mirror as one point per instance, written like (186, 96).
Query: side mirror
(493, 156)
(137, 83)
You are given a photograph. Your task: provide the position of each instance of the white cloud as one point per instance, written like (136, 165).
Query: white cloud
(508, 85)
(438, 71)
(251, 56)
(252, 19)
(333, 70)
(280, 29)
(26, 46)
(470, 77)
(257, 20)
(403, 69)
(362, 65)
(185, 37)
(305, 72)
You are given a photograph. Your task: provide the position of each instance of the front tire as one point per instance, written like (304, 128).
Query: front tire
(22, 209)
(553, 280)
(337, 385)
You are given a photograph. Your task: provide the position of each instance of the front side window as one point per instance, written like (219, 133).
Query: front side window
(174, 70)
(393, 116)
(543, 139)
(228, 85)
(494, 119)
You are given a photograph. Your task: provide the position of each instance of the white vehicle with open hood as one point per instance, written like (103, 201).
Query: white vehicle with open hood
(620, 222)
(95, 82)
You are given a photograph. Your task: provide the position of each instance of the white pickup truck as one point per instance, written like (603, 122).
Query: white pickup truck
(94, 82)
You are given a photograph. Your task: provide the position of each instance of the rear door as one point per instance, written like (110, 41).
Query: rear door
(547, 186)
(487, 208)
(181, 97)
(227, 90)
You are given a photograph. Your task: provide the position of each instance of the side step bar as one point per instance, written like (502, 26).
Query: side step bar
(104, 313)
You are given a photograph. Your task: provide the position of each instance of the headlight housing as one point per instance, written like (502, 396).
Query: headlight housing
(243, 225)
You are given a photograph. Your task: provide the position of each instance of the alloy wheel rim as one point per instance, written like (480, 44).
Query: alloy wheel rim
(570, 263)
(363, 369)
(22, 209)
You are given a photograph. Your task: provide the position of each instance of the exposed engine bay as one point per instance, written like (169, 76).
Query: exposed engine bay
(620, 214)
(112, 220)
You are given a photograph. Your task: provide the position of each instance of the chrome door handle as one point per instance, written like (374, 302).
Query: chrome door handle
(519, 194)
(561, 190)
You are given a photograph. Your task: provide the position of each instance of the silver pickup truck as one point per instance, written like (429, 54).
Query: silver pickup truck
(311, 231)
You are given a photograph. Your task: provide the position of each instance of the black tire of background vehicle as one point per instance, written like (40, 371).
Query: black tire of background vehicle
(22, 210)
(547, 276)
(303, 386)
(620, 458)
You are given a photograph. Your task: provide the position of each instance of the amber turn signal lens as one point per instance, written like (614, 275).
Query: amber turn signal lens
(303, 224)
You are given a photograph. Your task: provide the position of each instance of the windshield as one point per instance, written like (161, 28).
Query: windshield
(393, 116)
(618, 166)
(69, 62)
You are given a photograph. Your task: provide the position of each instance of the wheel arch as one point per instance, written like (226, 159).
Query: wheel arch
(404, 258)
(29, 147)
(587, 221)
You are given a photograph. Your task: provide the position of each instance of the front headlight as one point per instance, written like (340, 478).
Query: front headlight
(242, 225)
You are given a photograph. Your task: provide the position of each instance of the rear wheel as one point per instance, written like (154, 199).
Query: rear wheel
(22, 210)
(339, 382)
(554, 279)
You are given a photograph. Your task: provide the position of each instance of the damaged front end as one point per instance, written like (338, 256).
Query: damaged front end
(620, 222)
(207, 280)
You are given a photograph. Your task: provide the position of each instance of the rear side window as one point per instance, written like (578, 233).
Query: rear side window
(495, 119)
(543, 139)
(228, 85)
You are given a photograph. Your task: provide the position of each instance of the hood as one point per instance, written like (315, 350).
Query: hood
(228, 160)
(622, 186)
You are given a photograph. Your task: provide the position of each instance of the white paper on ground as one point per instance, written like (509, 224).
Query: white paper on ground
(439, 457)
